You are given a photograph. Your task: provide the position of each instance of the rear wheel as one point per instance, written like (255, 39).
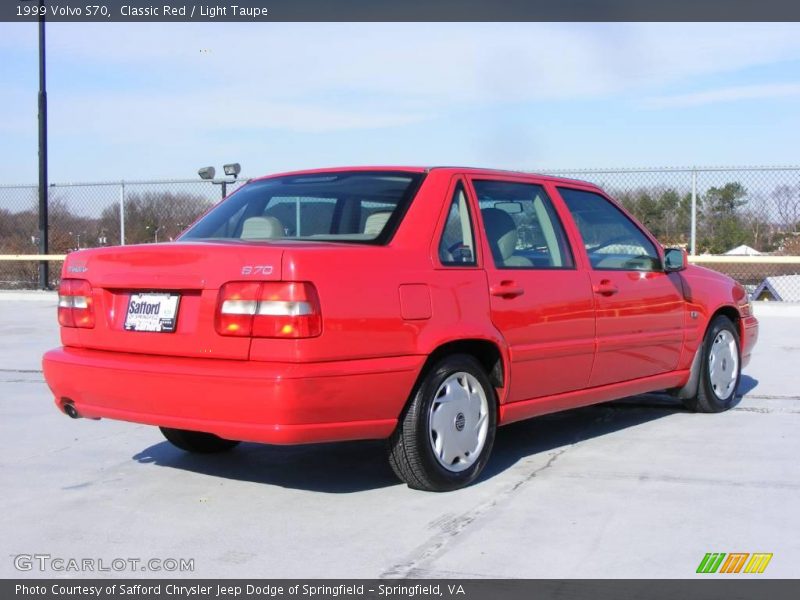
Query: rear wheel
(720, 368)
(197, 441)
(445, 436)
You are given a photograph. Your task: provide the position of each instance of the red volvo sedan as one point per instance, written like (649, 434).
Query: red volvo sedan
(424, 306)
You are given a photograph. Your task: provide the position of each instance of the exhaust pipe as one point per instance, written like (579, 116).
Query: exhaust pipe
(71, 411)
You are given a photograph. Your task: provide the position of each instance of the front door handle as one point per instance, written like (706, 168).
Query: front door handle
(506, 289)
(605, 288)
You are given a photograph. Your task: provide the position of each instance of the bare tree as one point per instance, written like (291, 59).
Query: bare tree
(787, 204)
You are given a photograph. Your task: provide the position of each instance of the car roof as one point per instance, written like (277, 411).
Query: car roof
(418, 169)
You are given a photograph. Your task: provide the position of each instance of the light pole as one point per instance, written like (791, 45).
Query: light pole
(44, 278)
(155, 232)
(231, 170)
(77, 239)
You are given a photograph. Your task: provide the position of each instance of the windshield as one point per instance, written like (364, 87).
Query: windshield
(358, 206)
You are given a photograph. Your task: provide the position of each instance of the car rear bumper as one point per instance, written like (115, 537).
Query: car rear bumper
(277, 403)
(749, 338)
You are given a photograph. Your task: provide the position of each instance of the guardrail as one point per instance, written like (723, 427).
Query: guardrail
(34, 257)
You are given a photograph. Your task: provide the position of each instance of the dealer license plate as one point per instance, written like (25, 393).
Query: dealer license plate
(152, 312)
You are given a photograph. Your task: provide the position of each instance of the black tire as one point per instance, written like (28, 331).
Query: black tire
(411, 446)
(709, 400)
(197, 441)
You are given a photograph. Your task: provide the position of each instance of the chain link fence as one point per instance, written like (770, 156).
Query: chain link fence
(741, 221)
(89, 215)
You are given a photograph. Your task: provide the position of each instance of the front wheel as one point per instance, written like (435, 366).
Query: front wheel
(197, 441)
(445, 436)
(720, 368)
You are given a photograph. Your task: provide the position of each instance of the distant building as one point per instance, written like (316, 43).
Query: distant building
(779, 288)
(743, 250)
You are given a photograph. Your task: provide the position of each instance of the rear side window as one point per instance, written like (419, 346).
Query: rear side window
(613, 242)
(341, 206)
(522, 227)
(457, 245)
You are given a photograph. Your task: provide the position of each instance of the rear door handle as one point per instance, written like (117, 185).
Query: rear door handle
(605, 288)
(506, 289)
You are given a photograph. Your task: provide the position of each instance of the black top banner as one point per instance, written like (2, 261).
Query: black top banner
(400, 10)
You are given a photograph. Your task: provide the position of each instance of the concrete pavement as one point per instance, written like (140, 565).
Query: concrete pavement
(635, 488)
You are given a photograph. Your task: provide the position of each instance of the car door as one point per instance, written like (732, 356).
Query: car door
(639, 307)
(540, 301)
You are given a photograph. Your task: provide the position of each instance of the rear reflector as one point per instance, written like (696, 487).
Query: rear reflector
(269, 309)
(75, 304)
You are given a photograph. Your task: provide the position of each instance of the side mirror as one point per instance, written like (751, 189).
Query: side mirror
(675, 259)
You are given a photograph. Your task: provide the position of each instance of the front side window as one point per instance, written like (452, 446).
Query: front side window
(521, 226)
(613, 242)
(457, 245)
(340, 206)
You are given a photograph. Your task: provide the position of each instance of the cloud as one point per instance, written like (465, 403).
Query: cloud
(728, 94)
(418, 64)
(118, 116)
(135, 83)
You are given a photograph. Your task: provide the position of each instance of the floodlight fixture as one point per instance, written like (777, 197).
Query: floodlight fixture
(207, 172)
(232, 170)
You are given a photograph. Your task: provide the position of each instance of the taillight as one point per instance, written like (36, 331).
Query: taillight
(75, 304)
(288, 309)
(236, 305)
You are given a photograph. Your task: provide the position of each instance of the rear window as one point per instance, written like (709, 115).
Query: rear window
(341, 206)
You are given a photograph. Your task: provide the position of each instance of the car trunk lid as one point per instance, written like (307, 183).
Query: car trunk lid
(192, 271)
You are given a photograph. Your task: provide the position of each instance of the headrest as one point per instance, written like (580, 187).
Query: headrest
(261, 228)
(376, 222)
(501, 232)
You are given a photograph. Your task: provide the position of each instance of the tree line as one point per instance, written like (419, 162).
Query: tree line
(149, 217)
(727, 217)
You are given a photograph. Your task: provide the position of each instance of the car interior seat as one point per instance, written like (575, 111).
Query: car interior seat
(376, 222)
(261, 228)
(501, 232)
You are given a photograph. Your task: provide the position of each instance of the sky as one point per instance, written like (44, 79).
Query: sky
(153, 101)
